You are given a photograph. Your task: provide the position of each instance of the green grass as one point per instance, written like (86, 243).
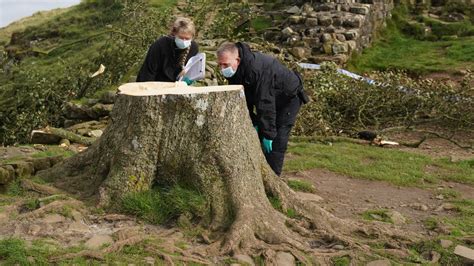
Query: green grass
(375, 163)
(53, 151)
(394, 49)
(341, 261)
(165, 204)
(261, 23)
(301, 185)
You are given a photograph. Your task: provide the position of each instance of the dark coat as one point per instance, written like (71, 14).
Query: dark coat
(269, 86)
(161, 62)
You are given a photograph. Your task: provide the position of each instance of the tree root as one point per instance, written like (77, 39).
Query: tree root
(42, 189)
(51, 207)
(117, 246)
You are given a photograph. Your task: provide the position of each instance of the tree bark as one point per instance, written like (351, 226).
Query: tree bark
(169, 133)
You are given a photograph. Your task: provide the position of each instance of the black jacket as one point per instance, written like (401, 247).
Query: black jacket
(161, 62)
(269, 86)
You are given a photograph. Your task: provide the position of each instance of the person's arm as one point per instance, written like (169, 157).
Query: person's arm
(150, 66)
(266, 106)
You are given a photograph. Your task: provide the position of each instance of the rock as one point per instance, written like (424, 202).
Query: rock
(293, 10)
(97, 241)
(108, 97)
(95, 133)
(445, 243)
(307, 8)
(435, 257)
(326, 37)
(311, 42)
(396, 217)
(288, 31)
(53, 218)
(419, 206)
(41, 137)
(439, 197)
(311, 22)
(79, 227)
(312, 14)
(324, 21)
(376, 217)
(6, 176)
(336, 21)
(308, 197)
(34, 229)
(295, 19)
(338, 247)
(298, 52)
(244, 258)
(465, 252)
(23, 169)
(447, 207)
(284, 259)
(149, 260)
(41, 164)
(340, 37)
(350, 35)
(340, 48)
(352, 23)
(359, 10)
(399, 253)
(379, 263)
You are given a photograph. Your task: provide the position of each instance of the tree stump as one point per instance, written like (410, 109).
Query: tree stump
(171, 133)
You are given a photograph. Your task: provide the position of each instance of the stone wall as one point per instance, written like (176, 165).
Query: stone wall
(330, 29)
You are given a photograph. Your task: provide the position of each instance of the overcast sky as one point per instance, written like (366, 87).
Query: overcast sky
(11, 10)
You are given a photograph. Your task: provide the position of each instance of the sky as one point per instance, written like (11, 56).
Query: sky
(11, 10)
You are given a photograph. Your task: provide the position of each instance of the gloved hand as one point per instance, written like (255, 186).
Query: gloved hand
(256, 127)
(188, 81)
(267, 145)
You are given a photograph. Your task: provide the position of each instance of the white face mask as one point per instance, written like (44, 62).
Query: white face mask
(228, 72)
(182, 44)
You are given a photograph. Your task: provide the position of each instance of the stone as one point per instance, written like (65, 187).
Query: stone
(41, 164)
(465, 252)
(34, 229)
(352, 46)
(97, 241)
(284, 259)
(311, 22)
(324, 21)
(435, 257)
(336, 21)
(6, 176)
(149, 260)
(338, 247)
(298, 52)
(440, 197)
(311, 42)
(288, 31)
(340, 37)
(307, 8)
(350, 35)
(95, 133)
(352, 23)
(295, 19)
(326, 37)
(41, 137)
(53, 218)
(396, 217)
(330, 29)
(23, 169)
(379, 263)
(447, 207)
(79, 227)
(340, 48)
(108, 97)
(445, 243)
(419, 206)
(293, 10)
(312, 14)
(308, 196)
(244, 258)
(359, 10)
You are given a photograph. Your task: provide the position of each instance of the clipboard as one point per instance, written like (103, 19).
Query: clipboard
(195, 69)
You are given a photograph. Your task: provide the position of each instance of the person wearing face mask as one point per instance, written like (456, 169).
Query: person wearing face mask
(274, 95)
(168, 55)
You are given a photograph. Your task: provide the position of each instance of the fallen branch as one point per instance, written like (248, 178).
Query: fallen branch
(73, 137)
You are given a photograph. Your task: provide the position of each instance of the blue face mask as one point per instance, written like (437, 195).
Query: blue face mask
(182, 44)
(228, 72)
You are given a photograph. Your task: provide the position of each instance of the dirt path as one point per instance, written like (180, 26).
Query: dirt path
(348, 197)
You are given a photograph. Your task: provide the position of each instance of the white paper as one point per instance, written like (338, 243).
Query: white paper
(195, 69)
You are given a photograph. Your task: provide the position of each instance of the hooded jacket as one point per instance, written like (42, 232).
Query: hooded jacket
(161, 62)
(268, 84)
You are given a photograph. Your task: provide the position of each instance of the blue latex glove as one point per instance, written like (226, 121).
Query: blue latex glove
(256, 127)
(188, 81)
(267, 145)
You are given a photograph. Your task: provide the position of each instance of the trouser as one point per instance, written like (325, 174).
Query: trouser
(286, 117)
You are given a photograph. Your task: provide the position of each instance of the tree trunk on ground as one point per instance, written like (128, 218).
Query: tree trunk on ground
(203, 136)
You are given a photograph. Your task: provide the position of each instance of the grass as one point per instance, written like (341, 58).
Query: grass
(165, 204)
(377, 215)
(301, 185)
(261, 23)
(395, 49)
(375, 163)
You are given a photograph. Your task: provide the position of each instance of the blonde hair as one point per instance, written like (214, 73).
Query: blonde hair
(183, 25)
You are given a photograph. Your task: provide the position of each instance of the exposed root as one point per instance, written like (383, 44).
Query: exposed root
(51, 207)
(117, 246)
(97, 255)
(42, 189)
